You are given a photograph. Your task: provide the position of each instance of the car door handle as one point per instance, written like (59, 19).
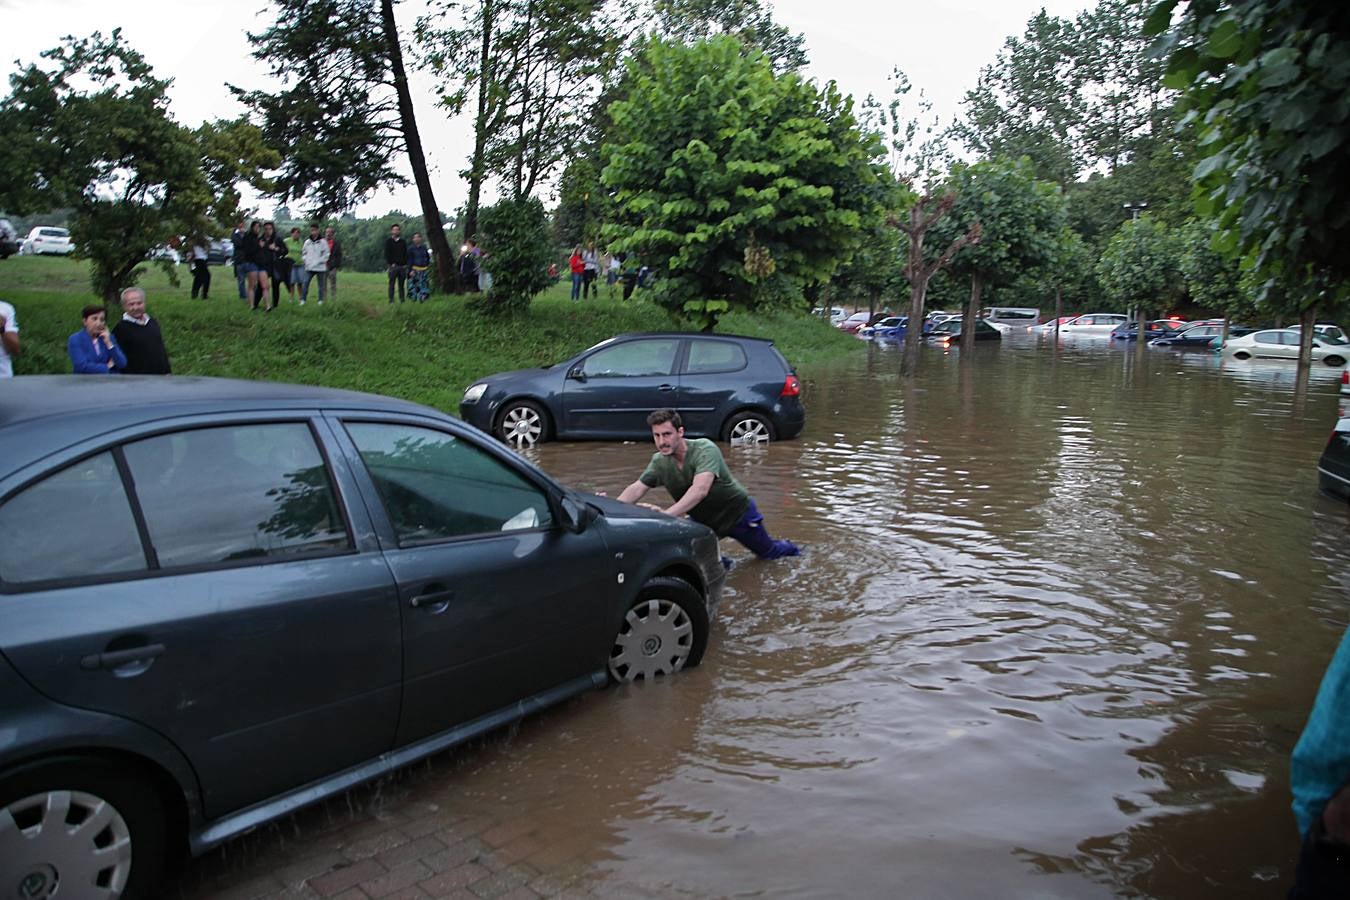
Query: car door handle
(666, 387)
(433, 600)
(116, 659)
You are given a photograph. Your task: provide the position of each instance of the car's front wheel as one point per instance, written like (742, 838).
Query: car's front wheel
(748, 428)
(1242, 354)
(522, 424)
(1334, 360)
(76, 827)
(665, 630)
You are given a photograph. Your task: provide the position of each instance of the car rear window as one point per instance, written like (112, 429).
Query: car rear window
(54, 232)
(706, 357)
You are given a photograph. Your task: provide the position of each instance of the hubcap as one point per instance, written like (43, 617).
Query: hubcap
(63, 839)
(655, 639)
(749, 431)
(522, 427)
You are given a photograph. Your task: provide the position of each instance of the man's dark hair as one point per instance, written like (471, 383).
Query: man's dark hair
(315, 226)
(91, 309)
(662, 416)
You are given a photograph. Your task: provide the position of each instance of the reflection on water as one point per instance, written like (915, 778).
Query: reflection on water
(1058, 622)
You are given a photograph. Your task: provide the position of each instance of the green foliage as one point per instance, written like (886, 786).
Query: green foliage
(94, 134)
(514, 238)
(689, 21)
(1021, 219)
(581, 201)
(711, 153)
(1140, 266)
(1213, 280)
(1265, 83)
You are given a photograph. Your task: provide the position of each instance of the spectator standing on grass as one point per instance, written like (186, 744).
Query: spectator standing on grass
(334, 261)
(468, 265)
(612, 272)
(201, 272)
(237, 257)
(590, 270)
(9, 339)
(92, 349)
(396, 259)
(294, 252)
(139, 337)
(256, 264)
(419, 266)
(315, 256)
(274, 261)
(578, 267)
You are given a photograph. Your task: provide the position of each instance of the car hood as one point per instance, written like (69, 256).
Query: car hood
(514, 375)
(613, 509)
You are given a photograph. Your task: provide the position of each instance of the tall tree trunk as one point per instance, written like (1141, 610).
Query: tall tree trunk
(1059, 307)
(1142, 337)
(1306, 319)
(918, 289)
(476, 173)
(431, 213)
(968, 317)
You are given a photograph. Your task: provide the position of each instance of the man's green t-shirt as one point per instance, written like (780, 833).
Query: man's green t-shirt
(726, 501)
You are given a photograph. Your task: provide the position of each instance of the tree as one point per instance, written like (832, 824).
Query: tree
(1265, 82)
(342, 109)
(741, 185)
(1020, 219)
(515, 241)
(690, 21)
(94, 134)
(581, 199)
(1139, 268)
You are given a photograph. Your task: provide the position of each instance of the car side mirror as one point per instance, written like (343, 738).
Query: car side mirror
(576, 373)
(576, 516)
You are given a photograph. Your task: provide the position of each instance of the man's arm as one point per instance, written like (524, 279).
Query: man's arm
(9, 338)
(634, 492)
(703, 483)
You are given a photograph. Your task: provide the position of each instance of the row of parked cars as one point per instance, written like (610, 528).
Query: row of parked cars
(45, 240)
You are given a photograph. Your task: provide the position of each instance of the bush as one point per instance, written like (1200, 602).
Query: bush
(516, 248)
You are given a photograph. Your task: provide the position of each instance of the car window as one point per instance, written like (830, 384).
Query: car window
(1287, 338)
(436, 486)
(73, 524)
(257, 491)
(1266, 337)
(53, 232)
(633, 358)
(714, 356)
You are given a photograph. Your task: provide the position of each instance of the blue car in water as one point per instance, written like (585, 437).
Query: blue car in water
(725, 387)
(1202, 334)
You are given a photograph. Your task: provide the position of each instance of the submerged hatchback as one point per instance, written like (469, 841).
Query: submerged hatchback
(725, 387)
(221, 601)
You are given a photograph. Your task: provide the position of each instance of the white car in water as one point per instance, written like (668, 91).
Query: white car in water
(1282, 343)
(1093, 324)
(46, 239)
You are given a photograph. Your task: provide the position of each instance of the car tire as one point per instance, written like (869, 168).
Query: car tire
(663, 631)
(1242, 354)
(523, 424)
(748, 427)
(84, 808)
(1334, 360)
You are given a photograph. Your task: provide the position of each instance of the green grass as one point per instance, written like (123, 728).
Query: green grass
(428, 353)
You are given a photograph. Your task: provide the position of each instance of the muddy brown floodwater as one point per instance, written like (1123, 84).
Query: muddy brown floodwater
(1058, 623)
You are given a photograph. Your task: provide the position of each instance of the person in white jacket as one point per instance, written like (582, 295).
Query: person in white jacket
(315, 256)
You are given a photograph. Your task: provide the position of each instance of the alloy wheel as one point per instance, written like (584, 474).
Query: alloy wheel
(522, 427)
(749, 431)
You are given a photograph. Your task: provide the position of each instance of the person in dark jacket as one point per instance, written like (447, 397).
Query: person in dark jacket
(334, 260)
(419, 270)
(140, 337)
(237, 256)
(396, 258)
(272, 252)
(256, 267)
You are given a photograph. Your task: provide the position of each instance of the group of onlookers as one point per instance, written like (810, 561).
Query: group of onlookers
(264, 259)
(586, 265)
(134, 346)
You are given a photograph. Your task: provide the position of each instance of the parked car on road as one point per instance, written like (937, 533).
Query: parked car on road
(888, 322)
(835, 314)
(220, 252)
(949, 332)
(1281, 343)
(226, 600)
(1093, 324)
(1017, 318)
(46, 239)
(9, 239)
(853, 323)
(1326, 333)
(1199, 335)
(1049, 327)
(724, 387)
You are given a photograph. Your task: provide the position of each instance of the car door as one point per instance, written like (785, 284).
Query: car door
(500, 603)
(713, 373)
(610, 392)
(210, 583)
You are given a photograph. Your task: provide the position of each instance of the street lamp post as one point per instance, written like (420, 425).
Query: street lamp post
(1135, 208)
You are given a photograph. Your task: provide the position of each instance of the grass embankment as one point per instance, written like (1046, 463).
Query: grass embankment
(428, 353)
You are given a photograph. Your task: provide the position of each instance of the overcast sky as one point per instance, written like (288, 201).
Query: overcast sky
(203, 46)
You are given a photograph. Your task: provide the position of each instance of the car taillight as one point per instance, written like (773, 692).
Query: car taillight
(791, 387)
(1345, 377)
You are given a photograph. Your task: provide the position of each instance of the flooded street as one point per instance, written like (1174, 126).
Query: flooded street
(1058, 623)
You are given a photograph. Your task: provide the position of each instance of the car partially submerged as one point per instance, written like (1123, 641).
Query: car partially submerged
(226, 600)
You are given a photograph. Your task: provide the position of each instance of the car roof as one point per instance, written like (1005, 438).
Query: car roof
(686, 334)
(30, 398)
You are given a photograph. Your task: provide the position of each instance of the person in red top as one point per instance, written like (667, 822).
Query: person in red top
(578, 267)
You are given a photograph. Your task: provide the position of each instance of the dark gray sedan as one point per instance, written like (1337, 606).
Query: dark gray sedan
(221, 601)
(725, 387)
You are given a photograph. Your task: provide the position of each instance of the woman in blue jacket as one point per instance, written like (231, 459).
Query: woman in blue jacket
(92, 349)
